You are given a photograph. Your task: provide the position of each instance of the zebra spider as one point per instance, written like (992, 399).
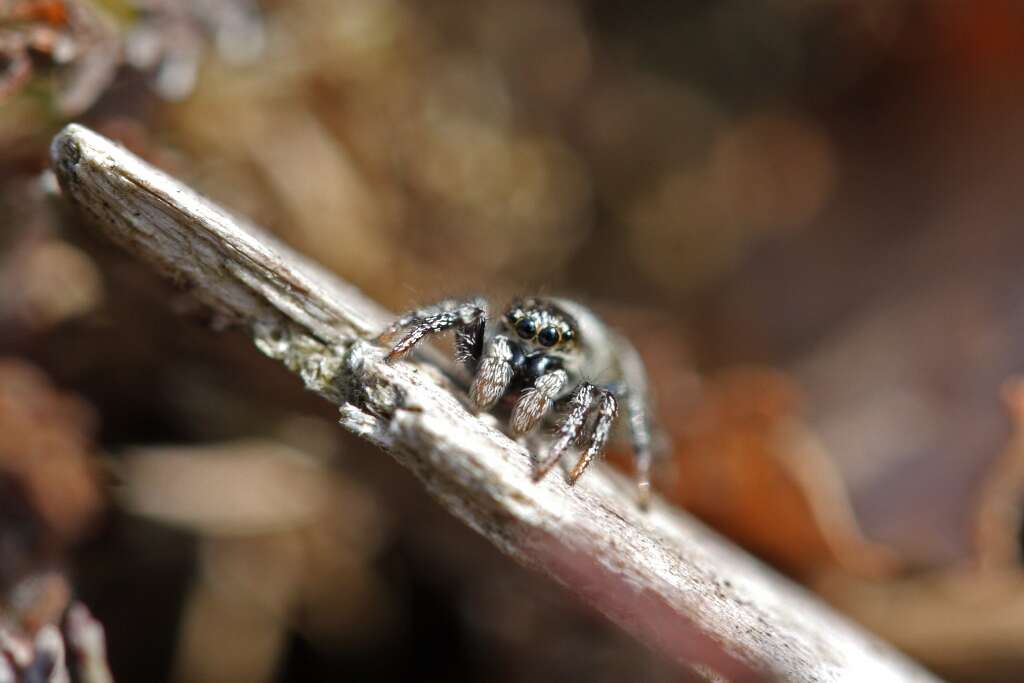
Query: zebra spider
(554, 354)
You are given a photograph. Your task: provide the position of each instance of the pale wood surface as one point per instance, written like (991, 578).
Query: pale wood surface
(660, 575)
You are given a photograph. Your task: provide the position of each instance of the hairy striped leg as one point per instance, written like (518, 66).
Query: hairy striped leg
(607, 408)
(468, 316)
(443, 306)
(572, 426)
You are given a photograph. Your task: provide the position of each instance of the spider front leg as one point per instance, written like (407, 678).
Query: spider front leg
(571, 428)
(469, 316)
(443, 306)
(607, 410)
(536, 401)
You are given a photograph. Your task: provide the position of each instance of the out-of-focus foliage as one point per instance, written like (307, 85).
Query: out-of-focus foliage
(51, 496)
(49, 481)
(804, 213)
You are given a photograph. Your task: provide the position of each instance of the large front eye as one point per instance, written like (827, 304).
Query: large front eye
(548, 336)
(526, 328)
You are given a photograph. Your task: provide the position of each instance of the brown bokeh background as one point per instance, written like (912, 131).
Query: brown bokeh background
(804, 212)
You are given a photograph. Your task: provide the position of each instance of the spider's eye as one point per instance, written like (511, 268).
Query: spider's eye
(548, 336)
(526, 328)
(568, 335)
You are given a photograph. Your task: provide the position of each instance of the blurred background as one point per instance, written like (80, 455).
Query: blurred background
(804, 212)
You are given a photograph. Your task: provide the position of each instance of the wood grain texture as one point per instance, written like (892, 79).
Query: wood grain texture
(660, 575)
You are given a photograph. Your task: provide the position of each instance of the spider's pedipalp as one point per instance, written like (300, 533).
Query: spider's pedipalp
(417, 315)
(420, 328)
(607, 409)
(537, 400)
(468, 316)
(494, 374)
(572, 425)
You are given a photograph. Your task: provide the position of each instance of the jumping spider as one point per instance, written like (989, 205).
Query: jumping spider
(554, 353)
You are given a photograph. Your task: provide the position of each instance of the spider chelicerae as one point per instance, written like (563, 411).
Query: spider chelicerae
(544, 355)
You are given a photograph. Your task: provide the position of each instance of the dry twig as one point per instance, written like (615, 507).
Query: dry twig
(661, 576)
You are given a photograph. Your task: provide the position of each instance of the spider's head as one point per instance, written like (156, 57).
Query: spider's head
(541, 324)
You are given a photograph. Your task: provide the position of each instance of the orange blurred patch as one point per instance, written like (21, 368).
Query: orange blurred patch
(745, 463)
(1001, 497)
(45, 449)
(52, 12)
(985, 40)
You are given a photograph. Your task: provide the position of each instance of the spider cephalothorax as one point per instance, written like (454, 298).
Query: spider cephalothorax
(542, 323)
(553, 354)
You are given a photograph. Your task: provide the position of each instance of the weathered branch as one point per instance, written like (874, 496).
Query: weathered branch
(660, 575)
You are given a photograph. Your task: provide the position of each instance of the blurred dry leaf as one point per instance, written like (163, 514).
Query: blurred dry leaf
(743, 459)
(44, 282)
(238, 488)
(745, 463)
(1000, 509)
(45, 453)
(285, 544)
(966, 621)
(969, 629)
